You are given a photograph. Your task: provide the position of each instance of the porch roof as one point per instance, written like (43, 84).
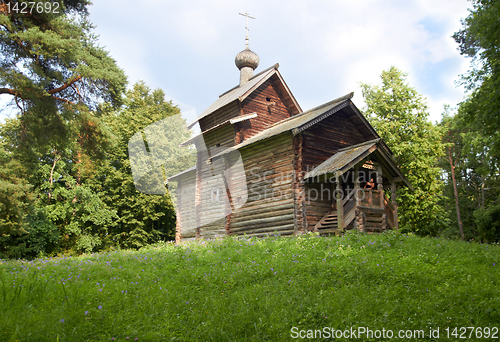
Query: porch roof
(348, 157)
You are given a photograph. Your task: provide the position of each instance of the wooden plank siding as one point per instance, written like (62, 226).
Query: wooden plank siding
(325, 138)
(270, 205)
(223, 136)
(186, 222)
(318, 201)
(220, 115)
(212, 210)
(267, 103)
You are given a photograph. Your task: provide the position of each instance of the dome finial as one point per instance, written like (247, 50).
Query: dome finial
(246, 39)
(247, 60)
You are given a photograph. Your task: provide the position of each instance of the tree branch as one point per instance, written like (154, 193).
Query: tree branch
(18, 94)
(9, 91)
(64, 86)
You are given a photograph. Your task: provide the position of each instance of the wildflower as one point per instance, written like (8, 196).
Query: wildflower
(62, 320)
(99, 307)
(86, 312)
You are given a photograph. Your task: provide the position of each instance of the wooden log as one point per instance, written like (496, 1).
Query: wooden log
(288, 225)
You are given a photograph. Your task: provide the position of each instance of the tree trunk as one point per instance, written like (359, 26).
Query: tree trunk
(459, 218)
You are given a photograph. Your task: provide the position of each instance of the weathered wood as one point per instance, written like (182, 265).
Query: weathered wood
(285, 225)
(260, 101)
(394, 204)
(219, 116)
(380, 186)
(298, 182)
(282, 232)
(371, 210)
(260, 221)
(340, 207)
(265, 163)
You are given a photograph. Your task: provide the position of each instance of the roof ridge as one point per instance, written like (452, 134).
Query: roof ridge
(340, 99)
(374, 141)
(275, 66)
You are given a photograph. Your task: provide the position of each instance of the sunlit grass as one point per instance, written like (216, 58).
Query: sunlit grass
(252, 289)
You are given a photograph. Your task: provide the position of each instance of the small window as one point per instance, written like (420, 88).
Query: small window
(268, 99)
(215, 195)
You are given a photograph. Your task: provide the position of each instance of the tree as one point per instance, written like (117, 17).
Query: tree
(454, 144)
(142, 218)
(15, 204)
(399, 114)
(475, 169)
(479, 40)
(57, 76)
(55, 72)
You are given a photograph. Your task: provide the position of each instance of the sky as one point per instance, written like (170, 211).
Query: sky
(325, 48)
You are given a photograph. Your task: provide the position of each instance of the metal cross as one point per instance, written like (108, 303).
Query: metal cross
(248, 16)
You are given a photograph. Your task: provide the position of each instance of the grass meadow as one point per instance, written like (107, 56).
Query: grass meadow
(252, 289)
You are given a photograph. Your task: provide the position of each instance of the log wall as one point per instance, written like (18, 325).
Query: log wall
(223, 136)
(325, 138)
(269, 208)
(318, 201)
(186, 223)
(220, 115)
(267, 103)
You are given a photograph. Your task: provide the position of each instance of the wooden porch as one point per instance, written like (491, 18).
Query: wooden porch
(368, 211)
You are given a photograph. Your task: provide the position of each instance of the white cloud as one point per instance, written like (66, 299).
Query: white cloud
(324, 47)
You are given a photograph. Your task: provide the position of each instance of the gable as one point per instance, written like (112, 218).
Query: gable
(238, 94)
(332, 133)
(267, 103)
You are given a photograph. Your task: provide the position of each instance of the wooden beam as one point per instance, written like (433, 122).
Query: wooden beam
(340, 207)
(394, 204)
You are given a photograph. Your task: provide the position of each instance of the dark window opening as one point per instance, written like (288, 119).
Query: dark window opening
(214, 198)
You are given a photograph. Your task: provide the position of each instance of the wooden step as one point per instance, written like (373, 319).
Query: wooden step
(371, 211)
(374, 219)
(329, 231)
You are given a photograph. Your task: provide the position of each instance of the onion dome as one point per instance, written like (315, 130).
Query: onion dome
(247, 58)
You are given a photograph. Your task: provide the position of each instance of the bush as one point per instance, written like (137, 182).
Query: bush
(488, 223)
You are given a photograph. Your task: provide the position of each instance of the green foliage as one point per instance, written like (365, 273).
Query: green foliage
(239, 289)
(399, 115)
(488, 223)
(56, 74)
(66, 183)
(15, 204)
(143, 218)
(478, 39)
(43, 238)
(476, 167)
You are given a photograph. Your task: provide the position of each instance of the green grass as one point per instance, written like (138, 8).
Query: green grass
(253, 290)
